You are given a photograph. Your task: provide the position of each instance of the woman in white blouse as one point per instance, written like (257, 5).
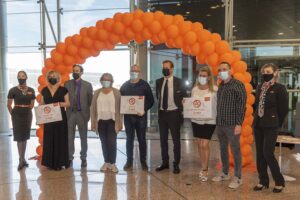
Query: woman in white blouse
(106, 120)
(203, 129)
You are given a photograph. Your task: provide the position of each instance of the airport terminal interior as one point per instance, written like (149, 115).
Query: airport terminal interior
(263, 31)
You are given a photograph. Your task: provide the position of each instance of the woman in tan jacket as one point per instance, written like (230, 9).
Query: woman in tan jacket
(106, 120)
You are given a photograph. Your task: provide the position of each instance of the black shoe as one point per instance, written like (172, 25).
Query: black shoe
(176, 169)
(162, 167)
(83, 163)
(25, 164)
(278, 190)
(20, 166)
(260, 187)
(128, 166)
(144, 166)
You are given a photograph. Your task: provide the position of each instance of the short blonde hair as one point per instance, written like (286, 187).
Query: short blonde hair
(57, 75)
(107, 75)
(211, 82)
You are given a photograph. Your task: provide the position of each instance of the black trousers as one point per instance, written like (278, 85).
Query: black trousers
(170, 120)
(108, 137)
(265, 140)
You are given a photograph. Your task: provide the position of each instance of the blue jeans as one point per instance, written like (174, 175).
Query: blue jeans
(135, 124)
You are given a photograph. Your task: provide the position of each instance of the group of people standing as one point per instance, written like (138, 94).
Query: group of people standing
(79, 103)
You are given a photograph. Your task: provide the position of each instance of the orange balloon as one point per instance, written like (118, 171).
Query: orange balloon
(226, 57)
(167, 20)
(113, 38)
(65, 77)
(83, 31)
(138, 13)
(45, 70)
(155, 27)
(178, 19)
(186, 50)
(83, 53)
(203, 35)
(222, 47)
(98, 46)
(92, 32)
(236, 55)
(146, 34)
(79, 60)
(239, 76)
(124, 40)
(195, 49)
(109, 46)
(61, 47)
(42, 80)
(249, 110)
(249, 119)
(184, 27)
(49, 64)
(248, 77)
(40, 132)
(208, 47)
(69, 60)
(137, 25)
(87, 42)
(250, 99)
(158, 15)
(108, 24)
(102, 35)
(249, 139)
(129, 34)
(39, 150)
(172, 31)
(119, 28)
(147, 18)
(201, 58)
(170, 43)
(162, 37)
(190, 37)
(56, 57)
(179, 42)
(155, 40)
(248, 88)
(68, 40)
(246, 131)
(99, 24)
(246, 150)
(40, 87)
(240, 66)
(212, 59)
(41, 140)
(215, 70)
(76, 39)
(118, 17)
(38, 98)
(196, 26)
(61, 68)
(215, 37)
(72, 50)
(127, 19)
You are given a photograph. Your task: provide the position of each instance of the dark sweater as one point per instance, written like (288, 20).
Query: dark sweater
(141, 88)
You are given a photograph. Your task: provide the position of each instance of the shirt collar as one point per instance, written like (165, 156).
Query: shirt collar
(170, 78)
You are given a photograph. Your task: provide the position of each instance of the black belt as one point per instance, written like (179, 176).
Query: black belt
(167, 111)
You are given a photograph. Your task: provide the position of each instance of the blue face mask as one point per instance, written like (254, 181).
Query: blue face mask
(202, 80)
(134, 75)
(106, 84)
(224, 75)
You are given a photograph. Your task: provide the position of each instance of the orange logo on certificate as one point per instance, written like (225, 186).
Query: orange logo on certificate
(131, 101)
(196, 103)
(47, 110)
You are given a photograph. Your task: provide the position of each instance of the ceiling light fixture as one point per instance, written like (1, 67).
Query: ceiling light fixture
(187, 12)
(208, 15)
(280, 33)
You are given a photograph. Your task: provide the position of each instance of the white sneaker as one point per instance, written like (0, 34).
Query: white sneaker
(113, 168)
(221, 177)
(235, 183)
(203, 175)
(104, 167)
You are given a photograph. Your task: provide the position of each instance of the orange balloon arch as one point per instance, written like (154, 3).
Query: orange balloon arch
(174, 31)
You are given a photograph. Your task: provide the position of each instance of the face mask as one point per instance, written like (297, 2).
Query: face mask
(166, 72)
(52, 81)
(267, 77)
(224, 75)
(106, 84)
(134, 75)
(21, 81)
(202, 80)
(76, 76)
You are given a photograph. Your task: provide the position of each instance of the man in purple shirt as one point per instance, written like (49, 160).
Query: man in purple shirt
(81, 94)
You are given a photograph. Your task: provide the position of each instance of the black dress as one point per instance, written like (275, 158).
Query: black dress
(21, 116)
(55, 144)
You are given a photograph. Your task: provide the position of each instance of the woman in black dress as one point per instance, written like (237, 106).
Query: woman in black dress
(21, 115)
(55, 144)
(271, 110)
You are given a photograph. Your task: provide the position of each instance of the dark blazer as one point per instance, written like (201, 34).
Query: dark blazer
(179, 91)
(86, 95)
(276, 107)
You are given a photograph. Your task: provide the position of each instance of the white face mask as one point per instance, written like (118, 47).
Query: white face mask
(134, 75)
(224, 75)
(202, 80)
(106, 84)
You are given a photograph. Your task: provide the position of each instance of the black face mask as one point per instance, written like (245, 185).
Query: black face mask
(166, 72)
(22, 81)
(76, 76)
(52, 81)
(267, 77)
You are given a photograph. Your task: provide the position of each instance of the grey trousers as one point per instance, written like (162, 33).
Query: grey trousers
(76, 119)
(226, 136)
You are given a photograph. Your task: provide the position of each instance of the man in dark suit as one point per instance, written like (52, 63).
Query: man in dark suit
(81, 94)
(170, 92)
